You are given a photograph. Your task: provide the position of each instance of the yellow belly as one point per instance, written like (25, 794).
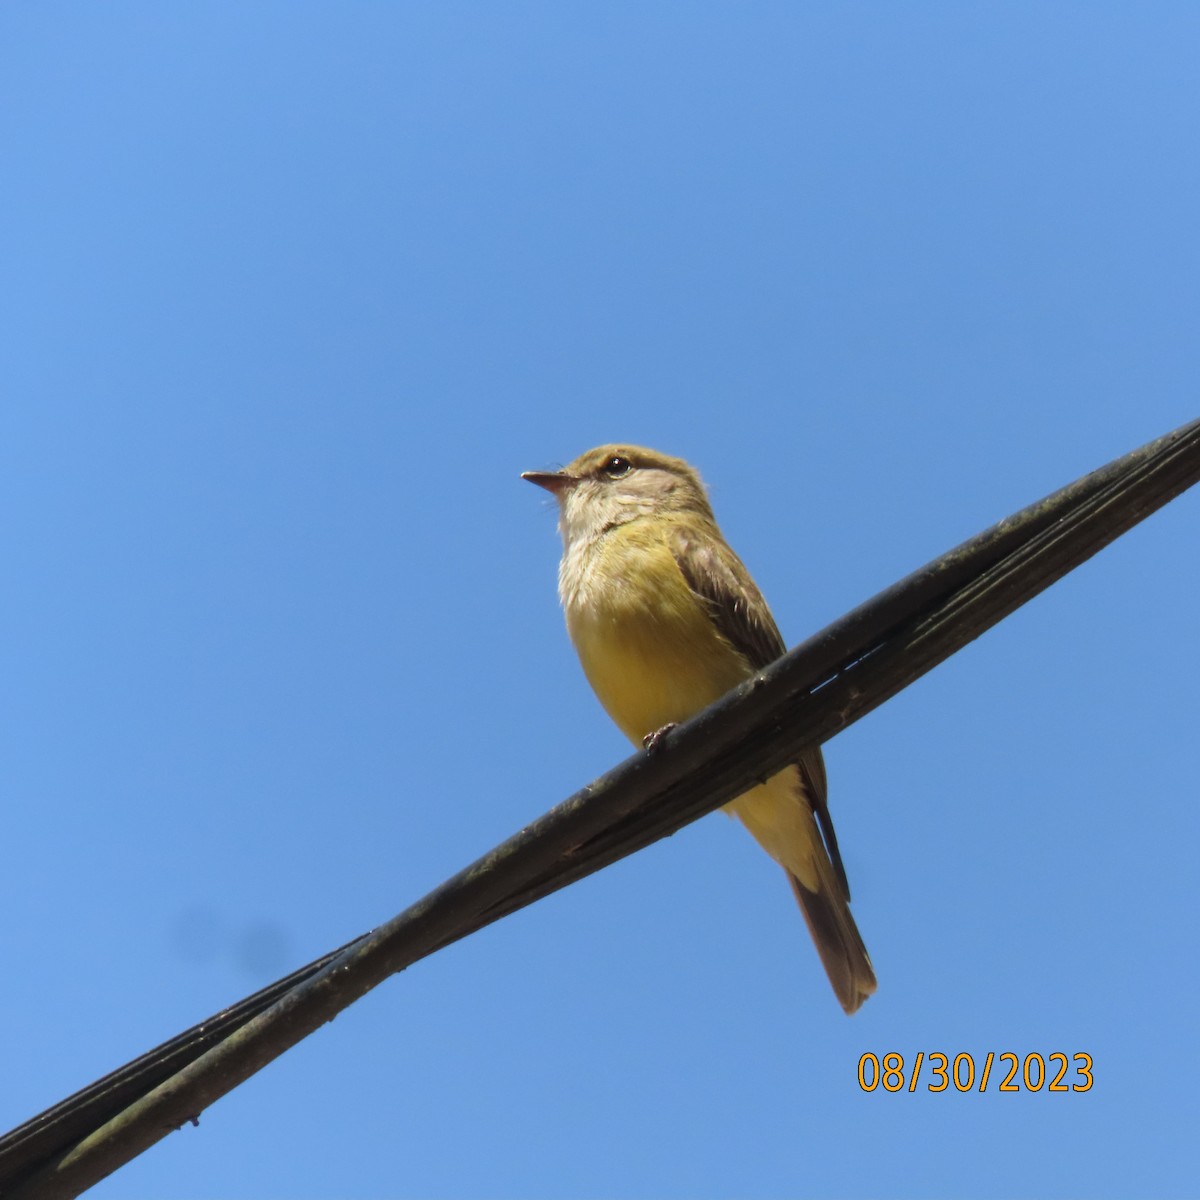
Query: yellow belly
(653, 656)
(648, 679)
(649, 649)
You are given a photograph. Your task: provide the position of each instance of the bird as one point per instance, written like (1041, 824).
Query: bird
(665, 619)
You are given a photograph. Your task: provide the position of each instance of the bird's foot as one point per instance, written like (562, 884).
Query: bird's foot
(652, 741)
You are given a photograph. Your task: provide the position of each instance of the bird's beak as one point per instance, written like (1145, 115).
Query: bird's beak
(552, 481)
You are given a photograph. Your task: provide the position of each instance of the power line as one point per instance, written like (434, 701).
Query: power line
(799, 701)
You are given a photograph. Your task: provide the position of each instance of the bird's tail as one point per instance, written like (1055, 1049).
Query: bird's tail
(840, 945)
(781, 820)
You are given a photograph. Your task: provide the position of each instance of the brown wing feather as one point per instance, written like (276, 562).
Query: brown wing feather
(721, 582)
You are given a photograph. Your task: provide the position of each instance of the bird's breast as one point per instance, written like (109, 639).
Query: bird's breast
(648, 647)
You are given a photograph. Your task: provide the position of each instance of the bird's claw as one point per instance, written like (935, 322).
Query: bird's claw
(652, 741)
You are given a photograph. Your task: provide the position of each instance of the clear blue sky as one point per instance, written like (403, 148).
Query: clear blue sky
(293, 292)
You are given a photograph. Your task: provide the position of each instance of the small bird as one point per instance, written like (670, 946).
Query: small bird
(666, 619)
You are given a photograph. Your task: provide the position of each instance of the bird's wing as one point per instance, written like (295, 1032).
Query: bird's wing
(717, 577)
(720, 581)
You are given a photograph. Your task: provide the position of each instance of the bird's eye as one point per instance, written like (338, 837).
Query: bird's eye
(617, 466)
